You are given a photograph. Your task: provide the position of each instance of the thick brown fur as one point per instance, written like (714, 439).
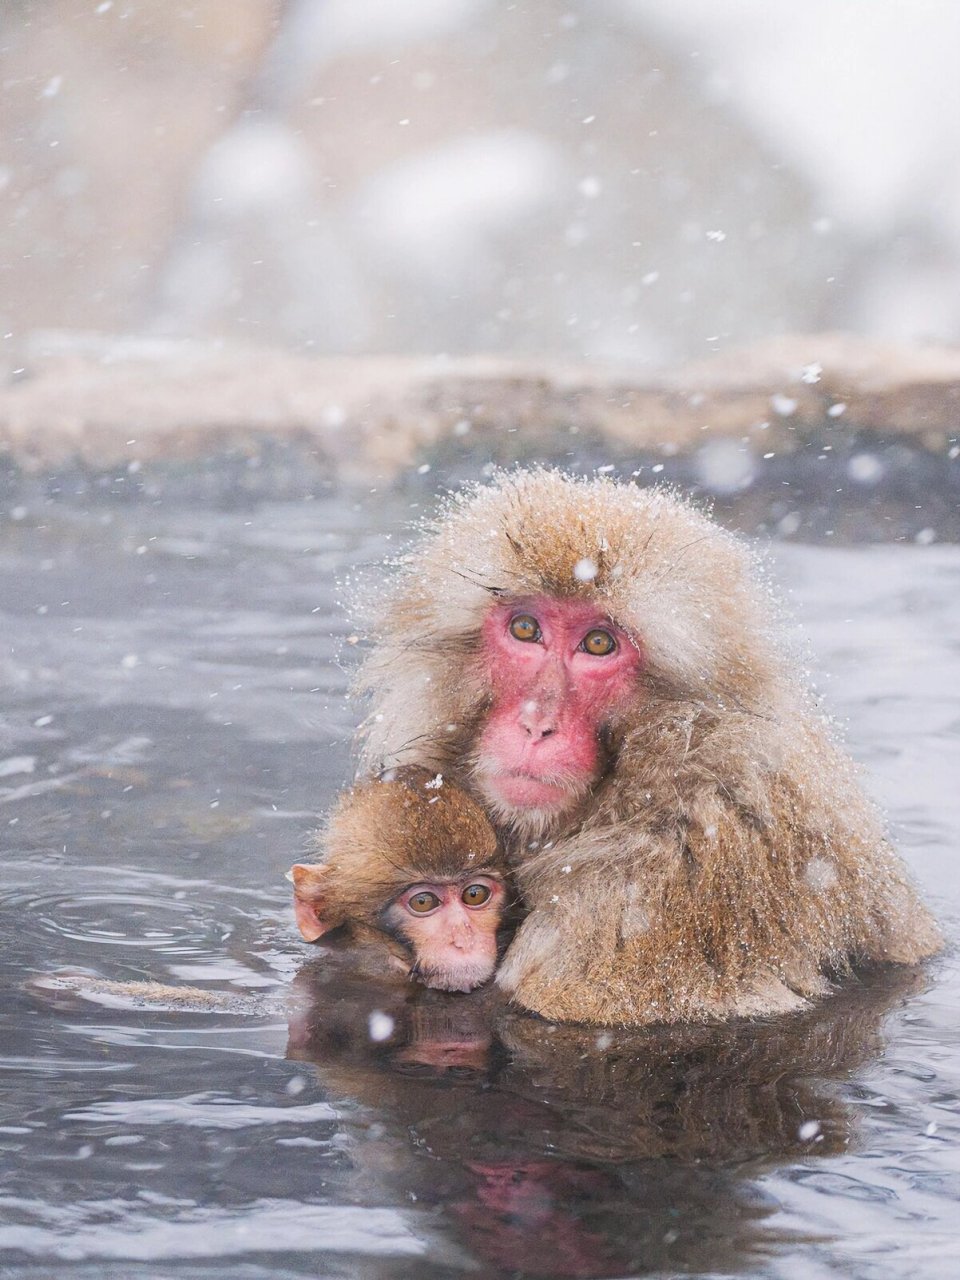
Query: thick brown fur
(727, 863)
(390, 832)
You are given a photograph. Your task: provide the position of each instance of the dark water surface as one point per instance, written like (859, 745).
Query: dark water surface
(173, 721)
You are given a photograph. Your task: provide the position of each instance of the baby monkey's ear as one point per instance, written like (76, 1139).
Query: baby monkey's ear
(315, 914)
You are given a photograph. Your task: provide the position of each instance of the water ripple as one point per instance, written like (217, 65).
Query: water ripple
(115, 1230)
(202, 1111)
(155, 922)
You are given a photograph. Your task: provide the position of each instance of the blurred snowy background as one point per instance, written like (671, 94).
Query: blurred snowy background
(628, 180)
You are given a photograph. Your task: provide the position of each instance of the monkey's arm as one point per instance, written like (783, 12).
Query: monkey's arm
(363, 952)
(59, 987)
(730, 914)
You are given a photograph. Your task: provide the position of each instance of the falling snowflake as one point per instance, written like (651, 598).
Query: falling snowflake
(380, 1026)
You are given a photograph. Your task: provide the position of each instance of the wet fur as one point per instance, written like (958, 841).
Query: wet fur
(727, 863)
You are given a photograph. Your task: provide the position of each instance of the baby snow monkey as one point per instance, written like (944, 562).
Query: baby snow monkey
(411, 865)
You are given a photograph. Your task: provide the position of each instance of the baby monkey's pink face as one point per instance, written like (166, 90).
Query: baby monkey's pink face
(451, 927)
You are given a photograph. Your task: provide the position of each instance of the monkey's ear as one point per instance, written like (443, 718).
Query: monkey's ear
(311, 907)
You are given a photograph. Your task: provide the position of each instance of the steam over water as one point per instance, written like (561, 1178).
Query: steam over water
(173, 723)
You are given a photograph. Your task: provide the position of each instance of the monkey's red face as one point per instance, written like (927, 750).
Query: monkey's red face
(451, 928)
(557, 669)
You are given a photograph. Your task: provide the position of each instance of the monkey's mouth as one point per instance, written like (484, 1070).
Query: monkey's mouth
(454, 976)
(521, 789)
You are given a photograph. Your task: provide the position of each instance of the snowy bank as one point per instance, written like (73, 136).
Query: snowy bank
(812, 413)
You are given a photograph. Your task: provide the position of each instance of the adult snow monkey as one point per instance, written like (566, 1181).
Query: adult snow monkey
(599, 666)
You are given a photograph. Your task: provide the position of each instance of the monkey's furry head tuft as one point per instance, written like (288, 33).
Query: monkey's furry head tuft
(685, 590)
(410, 826)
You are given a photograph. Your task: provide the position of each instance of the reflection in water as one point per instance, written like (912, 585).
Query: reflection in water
(564, 1151)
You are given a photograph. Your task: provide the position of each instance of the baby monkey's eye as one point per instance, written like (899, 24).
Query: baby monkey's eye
(423, 902)
(475, 895)
(525, 627)
(598, 642)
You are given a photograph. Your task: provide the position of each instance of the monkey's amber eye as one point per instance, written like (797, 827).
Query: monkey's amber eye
(475, 895)
(423, 902)
(525, 627)
(598, 642)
